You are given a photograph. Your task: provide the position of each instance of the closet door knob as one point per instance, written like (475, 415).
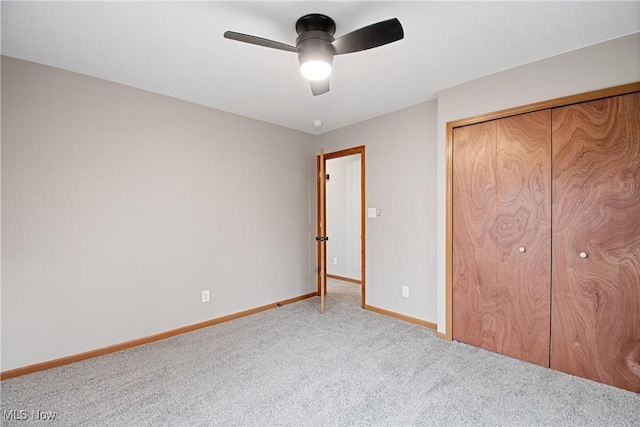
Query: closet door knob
(583, 255)
(522, 249)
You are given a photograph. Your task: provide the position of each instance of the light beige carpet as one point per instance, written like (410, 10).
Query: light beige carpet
(294, 366)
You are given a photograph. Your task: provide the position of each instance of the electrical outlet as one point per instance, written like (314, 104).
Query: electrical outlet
(205, 296)
(405, 291)
(335, 261)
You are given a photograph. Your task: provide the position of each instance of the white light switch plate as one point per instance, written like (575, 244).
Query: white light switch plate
(371, 213)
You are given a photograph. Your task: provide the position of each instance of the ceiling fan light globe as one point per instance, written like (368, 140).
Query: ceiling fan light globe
(315, 70)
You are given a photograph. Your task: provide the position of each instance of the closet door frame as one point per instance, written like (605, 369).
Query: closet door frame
(557, 102)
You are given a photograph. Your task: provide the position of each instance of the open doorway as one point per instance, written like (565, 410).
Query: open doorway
(344, 201)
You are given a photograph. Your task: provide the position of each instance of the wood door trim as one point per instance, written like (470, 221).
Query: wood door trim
(553, 103)
(363, 245)
(344, 153)
(318, 224)
(322, 225)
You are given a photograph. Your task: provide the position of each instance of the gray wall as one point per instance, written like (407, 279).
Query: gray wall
(406, 159)
(120, 206)
(599, 66)
(400, 165)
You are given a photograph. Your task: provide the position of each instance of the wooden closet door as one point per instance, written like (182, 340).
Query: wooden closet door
(523, 234)
(475, 289)
(501, 203)
(596, 248)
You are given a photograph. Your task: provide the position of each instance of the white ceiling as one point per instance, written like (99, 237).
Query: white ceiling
(177, 49)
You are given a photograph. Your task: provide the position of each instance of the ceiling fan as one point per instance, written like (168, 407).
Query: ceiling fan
(316, 46)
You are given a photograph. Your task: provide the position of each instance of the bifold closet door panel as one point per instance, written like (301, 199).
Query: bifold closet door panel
(501, 235)
(522, 232)
(476, 296)
(596, 246)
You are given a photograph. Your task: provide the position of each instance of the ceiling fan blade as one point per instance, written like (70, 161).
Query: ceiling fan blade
(259, 41)
(319, 87)
(368, 37)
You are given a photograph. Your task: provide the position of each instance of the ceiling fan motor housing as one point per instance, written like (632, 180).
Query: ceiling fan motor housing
(315, 22)
(315, 36)
(315, 45)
